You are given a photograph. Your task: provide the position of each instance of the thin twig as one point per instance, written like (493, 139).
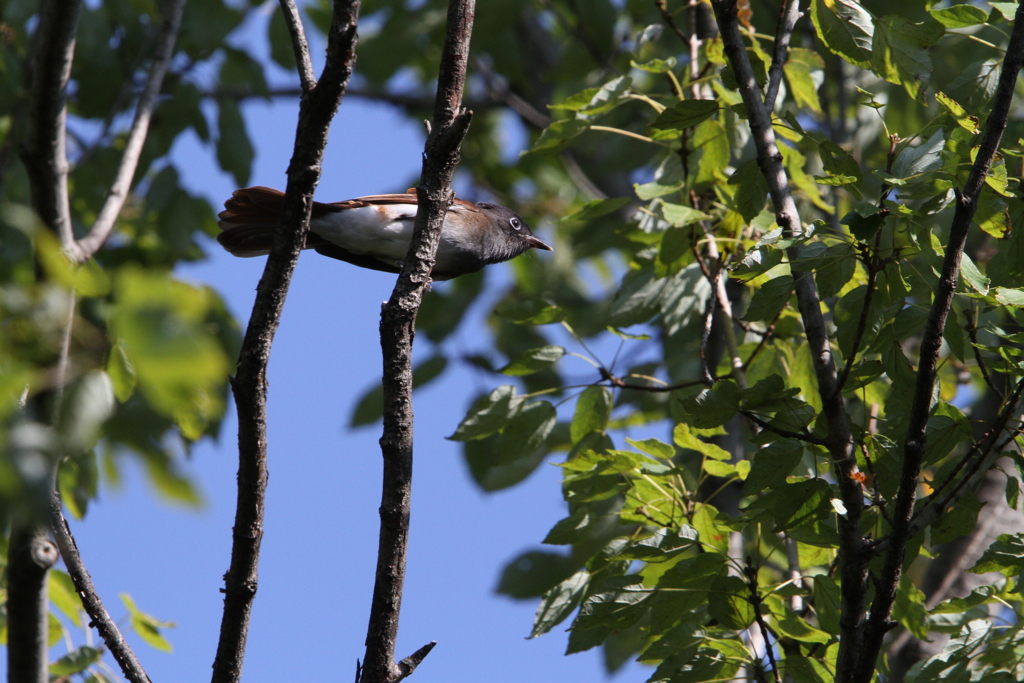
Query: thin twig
(118, 192)
(397, 329)
(91, 602)
(316, 110)
(709, 310)
(972, 333)
(800, 436)
(913, 451)
(840, 438)
(300, 48)
(755, 602)
(789, 14)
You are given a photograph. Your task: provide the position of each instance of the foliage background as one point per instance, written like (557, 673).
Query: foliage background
(322, 520)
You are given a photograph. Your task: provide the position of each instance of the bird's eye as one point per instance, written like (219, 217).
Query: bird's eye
(516, 223)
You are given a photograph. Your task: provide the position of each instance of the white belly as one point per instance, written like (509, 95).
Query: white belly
(384, 232)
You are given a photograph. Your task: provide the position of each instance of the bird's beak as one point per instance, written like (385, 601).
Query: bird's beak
(537, 244)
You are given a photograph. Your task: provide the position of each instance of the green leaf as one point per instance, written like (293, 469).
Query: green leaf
(802, 503)
(769, 299)
(121, 372)
(596, 208)
(147, 627)
(559, 602)
(713, 407)
(804, 70)
(533, 361)
(617, 603)
(680, 216)
(899, 52)
(525, 434)
(533, 573)
(752, 192)
(845, 28)
(64, 596)
(169, 333)
(958, 521)
(607, 97)
(864, 228)
(959, 16)
(712, 534)
(529, 312)
(827, 602)
(653, 448)
(959, 114)
(684, 438)
(280, 41)
(1005, 556)
(772, 464)
(234, 149)
(593, 408)
(370, 407)
(978, 596)
(728, 602)
(685, 114)
(789, 624)
(1007, 9)
(914, 161)
(655, 189)
(655, 66)
(76, 661)
(489, 414)
(558, 136)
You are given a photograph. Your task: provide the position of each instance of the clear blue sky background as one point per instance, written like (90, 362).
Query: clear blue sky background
(319, 548)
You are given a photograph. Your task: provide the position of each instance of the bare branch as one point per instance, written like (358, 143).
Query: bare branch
(789, 14)
(45, 153)
(397, 329)
(130, 666)
(304, 63)
(316, 110)
(91, 243)
(840, 439)
(913, 448)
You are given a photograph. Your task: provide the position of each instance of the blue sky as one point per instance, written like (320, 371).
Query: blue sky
(321, 529)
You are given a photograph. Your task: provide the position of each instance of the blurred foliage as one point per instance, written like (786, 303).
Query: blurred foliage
(148, 356)
(638, 160)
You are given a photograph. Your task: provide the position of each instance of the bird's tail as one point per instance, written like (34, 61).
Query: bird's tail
(249, 220)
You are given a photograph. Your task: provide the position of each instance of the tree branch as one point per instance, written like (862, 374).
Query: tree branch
(913, 448)
(397, 329)
(316, 110)
(840, 439)
(91, 243)
(130, 666)
(44, 153)
(303, 61)
(789, 14)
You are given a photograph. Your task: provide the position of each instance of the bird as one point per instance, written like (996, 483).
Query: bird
(374, 232)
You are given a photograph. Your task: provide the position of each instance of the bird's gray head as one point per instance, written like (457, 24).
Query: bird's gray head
(512, 235)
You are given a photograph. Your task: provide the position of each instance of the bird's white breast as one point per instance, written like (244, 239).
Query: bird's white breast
(384, 231)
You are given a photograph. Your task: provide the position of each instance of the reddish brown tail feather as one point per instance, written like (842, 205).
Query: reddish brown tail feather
(249, 220)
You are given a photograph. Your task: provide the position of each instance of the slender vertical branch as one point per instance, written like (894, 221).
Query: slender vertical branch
(789, 13)
(913, 448)
(840, 439)
(303, 61)
(118, 192)
(316, 110)
(44, 152)
(397, 329)
(31, 553)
